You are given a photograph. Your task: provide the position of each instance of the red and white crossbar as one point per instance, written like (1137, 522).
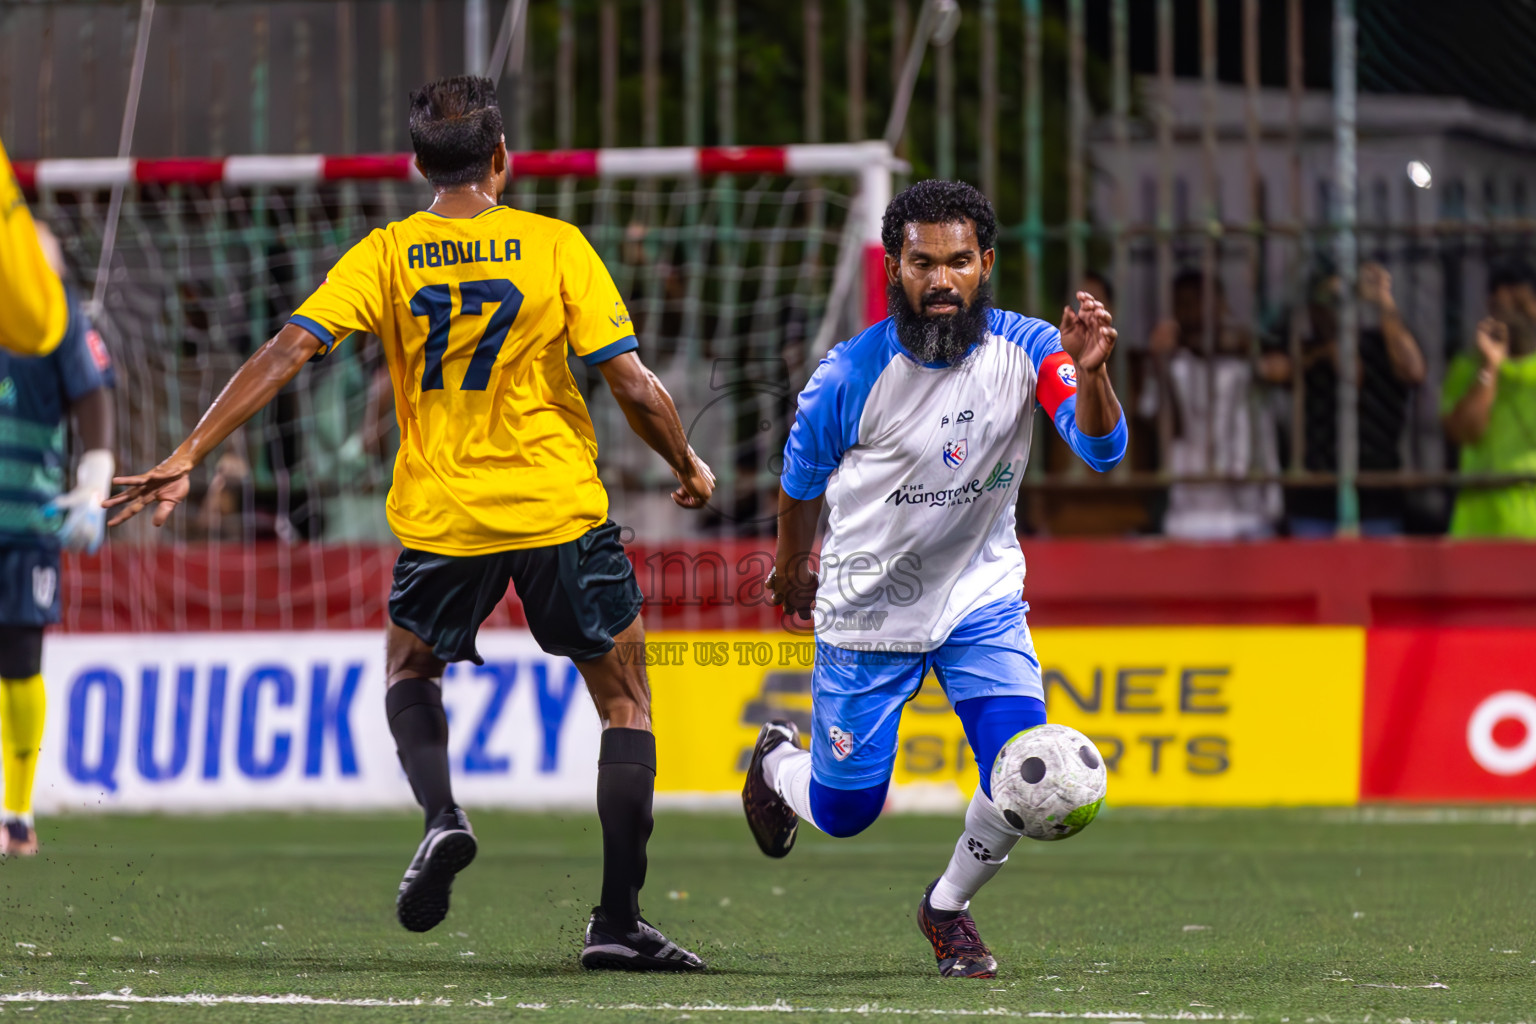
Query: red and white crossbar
(871, 162)
(308, 169)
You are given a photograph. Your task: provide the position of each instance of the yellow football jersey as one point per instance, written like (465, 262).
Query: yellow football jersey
(497, 451)
(33, 313)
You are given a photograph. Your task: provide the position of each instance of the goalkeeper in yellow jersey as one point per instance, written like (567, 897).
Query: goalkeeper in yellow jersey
(33, 311)
(477, 306)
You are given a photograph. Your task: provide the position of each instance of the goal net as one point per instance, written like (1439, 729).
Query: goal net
(738, 266)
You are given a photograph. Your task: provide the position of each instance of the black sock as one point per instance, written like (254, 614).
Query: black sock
(420, 728)
(626, 780)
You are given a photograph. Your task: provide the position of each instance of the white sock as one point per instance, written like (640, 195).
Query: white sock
(981, 852)
(792, 778)
(774, 758)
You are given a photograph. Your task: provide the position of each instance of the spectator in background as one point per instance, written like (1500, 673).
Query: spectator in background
(219, 513)
(1201, 402)
(1388, 365)
(1489, 408)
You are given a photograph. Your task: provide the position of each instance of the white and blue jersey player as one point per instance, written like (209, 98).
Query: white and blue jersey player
(914, 435)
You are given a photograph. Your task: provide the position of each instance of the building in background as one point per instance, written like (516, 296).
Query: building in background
(1443, 186)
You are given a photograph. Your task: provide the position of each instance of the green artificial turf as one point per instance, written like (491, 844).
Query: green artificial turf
(1284, 916)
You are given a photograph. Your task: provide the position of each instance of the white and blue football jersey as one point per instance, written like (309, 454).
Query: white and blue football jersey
(920, 465)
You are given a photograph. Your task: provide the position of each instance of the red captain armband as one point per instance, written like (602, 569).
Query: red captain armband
(1057, 383)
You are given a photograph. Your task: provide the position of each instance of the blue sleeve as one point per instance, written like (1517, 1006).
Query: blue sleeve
(826, 425)
(1036, 337)
(611, 351)
(1056, 388)
(81, 358)
(1101, 453)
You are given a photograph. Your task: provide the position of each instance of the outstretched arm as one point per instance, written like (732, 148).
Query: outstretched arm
(255, 384)
(652, 415)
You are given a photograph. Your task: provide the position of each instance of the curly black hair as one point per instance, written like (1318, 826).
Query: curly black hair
(937, 201)
(455, 128)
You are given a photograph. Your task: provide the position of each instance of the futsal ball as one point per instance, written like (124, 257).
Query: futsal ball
(1049, 782)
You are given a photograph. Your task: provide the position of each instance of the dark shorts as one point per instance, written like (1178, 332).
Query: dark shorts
(29, 586)
(575, 595)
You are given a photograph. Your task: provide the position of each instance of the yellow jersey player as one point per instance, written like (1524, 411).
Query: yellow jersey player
(477, 306)
(33, 311)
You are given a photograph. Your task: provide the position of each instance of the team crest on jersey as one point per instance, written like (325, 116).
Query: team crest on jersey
(45, 582)
(842, 743)
(1068, 374)
(7, 393)
(954, 453)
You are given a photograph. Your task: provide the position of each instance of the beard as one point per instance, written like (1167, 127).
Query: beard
(946, 338)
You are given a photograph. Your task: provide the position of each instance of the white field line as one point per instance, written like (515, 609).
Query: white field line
(876, 1010)
(866, 1010)
(125, 997)
(198, 999)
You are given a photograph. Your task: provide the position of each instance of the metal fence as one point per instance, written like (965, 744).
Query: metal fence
(1123, 143)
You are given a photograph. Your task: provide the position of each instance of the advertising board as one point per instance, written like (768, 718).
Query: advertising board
(1450, 714)
(224, 721)
(1183, 715)
(211, 721)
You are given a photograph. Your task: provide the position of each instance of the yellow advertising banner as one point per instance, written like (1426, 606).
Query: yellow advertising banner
(1214, 716)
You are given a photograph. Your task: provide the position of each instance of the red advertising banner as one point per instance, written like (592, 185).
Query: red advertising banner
(1450, 714)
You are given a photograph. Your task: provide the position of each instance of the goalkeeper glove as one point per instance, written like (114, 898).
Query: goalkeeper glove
(85, 521)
